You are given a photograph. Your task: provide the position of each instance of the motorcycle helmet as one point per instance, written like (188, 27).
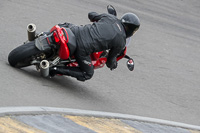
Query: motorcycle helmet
(131, 23)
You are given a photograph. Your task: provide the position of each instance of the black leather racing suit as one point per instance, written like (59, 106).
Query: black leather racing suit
(106, 33)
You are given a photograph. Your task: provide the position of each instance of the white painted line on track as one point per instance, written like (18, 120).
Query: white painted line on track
(30, 110)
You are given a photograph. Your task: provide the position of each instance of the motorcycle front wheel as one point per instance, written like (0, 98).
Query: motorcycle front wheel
(22, 55)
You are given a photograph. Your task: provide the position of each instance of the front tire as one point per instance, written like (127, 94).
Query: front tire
(22, 55)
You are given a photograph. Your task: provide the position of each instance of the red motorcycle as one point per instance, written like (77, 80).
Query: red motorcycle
(54, 48)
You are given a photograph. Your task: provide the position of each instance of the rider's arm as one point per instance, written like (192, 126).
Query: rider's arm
(112, 57)
(118, 45)
(122, 54)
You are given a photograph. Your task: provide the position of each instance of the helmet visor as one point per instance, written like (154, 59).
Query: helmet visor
(131, 29)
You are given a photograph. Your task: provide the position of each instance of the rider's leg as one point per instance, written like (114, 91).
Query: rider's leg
(84, 72)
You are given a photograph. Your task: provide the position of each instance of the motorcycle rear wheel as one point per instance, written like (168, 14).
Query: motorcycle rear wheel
(22, 55)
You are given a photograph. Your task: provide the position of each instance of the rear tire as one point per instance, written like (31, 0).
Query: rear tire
(22, 55)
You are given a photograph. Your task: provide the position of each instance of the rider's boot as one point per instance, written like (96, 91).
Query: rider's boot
(69, 71)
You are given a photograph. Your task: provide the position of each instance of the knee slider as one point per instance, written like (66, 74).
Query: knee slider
(88, 75)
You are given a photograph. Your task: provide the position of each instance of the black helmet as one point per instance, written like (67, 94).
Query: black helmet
(131, 23)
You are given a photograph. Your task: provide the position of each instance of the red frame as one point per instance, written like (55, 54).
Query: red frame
(64, 52)
(98, 62)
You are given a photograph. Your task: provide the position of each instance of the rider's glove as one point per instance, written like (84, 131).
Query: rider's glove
(93, 16)
(112, 65)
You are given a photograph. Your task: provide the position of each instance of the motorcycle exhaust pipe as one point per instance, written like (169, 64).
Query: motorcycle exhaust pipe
(44, 68)
(31, 29)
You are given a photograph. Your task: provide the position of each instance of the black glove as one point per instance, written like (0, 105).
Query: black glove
(94, 17)
(112, 65)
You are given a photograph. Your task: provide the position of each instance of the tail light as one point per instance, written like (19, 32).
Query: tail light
(56, 37)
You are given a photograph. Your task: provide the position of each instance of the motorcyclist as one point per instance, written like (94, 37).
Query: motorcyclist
(106, 33)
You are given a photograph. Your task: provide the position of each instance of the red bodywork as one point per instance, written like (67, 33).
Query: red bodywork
(61, 40)
(64, 53)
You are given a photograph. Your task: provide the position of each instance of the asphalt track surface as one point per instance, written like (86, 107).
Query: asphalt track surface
(166, 80)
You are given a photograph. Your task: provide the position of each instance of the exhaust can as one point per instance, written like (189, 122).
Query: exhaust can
(44, 68)
(31, 29)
